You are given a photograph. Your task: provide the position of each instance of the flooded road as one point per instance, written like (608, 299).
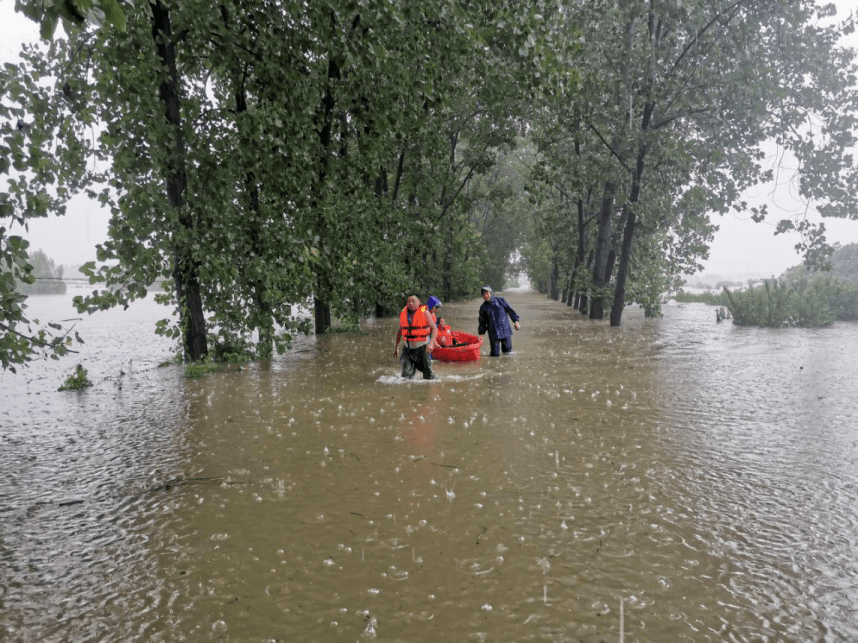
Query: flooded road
(671, 480)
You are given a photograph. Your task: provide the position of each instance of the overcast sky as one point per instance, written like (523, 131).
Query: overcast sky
(741, 247)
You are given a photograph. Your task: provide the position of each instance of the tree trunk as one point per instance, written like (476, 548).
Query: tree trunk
(579, 257)
(601, 275)
(264, 319)
(553, 278)
(571, 290)
(583, 304)
(185, 267)
(629, 230)
(623, 270)
(628, 237)
(321, 298)
(609, 267)
(322, 313)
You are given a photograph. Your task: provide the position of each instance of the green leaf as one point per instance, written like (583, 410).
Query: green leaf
(114, 14)
(48, 24)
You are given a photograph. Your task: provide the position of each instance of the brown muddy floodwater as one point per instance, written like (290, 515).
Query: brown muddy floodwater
(671, 480)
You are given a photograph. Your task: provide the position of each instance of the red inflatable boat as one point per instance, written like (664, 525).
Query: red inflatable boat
(465, 348)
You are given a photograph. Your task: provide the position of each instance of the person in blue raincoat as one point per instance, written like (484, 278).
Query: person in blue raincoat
(494, 317)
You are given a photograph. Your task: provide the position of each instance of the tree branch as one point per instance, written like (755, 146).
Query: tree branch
(608, 145)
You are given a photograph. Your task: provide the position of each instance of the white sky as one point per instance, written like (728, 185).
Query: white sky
(741, 246)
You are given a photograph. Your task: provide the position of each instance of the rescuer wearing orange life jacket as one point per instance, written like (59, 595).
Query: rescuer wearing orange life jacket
(418, 329)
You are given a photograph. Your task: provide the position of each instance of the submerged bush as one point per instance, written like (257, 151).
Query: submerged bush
(220, 358)
(208, 365)
(78, 380)
(803, 302)
(711, 298)
(203, 367)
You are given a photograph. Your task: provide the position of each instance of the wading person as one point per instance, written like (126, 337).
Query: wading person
(418, 330)
(494, 317)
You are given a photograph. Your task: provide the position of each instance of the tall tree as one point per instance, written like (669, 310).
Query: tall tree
(694, 89)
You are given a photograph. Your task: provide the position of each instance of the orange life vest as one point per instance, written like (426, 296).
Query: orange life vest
(419, 329)
(444, 336)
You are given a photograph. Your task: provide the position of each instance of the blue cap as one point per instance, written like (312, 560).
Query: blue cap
(432, 302)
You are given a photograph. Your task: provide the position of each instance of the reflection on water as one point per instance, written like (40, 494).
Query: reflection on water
(702, 474)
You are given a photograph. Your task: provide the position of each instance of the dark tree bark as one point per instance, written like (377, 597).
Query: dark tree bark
(264, 319)
(579, 257)
(583, 304)
(622, 272)
(321, 305)
(601, 276)
(630, 226)
(553, 291)
(185, 267)
(628, 238)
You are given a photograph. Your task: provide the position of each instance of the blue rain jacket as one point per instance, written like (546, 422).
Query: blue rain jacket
(494, 318)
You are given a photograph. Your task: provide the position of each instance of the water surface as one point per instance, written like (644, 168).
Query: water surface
(701, 476)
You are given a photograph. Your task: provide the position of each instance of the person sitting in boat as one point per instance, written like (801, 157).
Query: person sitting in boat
(419, 331)
(445, 334)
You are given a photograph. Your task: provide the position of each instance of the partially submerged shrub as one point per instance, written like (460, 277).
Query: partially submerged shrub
(77, 380)
(215, 362)
(204, 366)
(345, 325)
(804, 303)
(235, 352)
(711, 298)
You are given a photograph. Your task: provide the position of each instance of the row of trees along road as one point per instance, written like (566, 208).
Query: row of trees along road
(262, 155)
(47, 277)
(675, 102)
